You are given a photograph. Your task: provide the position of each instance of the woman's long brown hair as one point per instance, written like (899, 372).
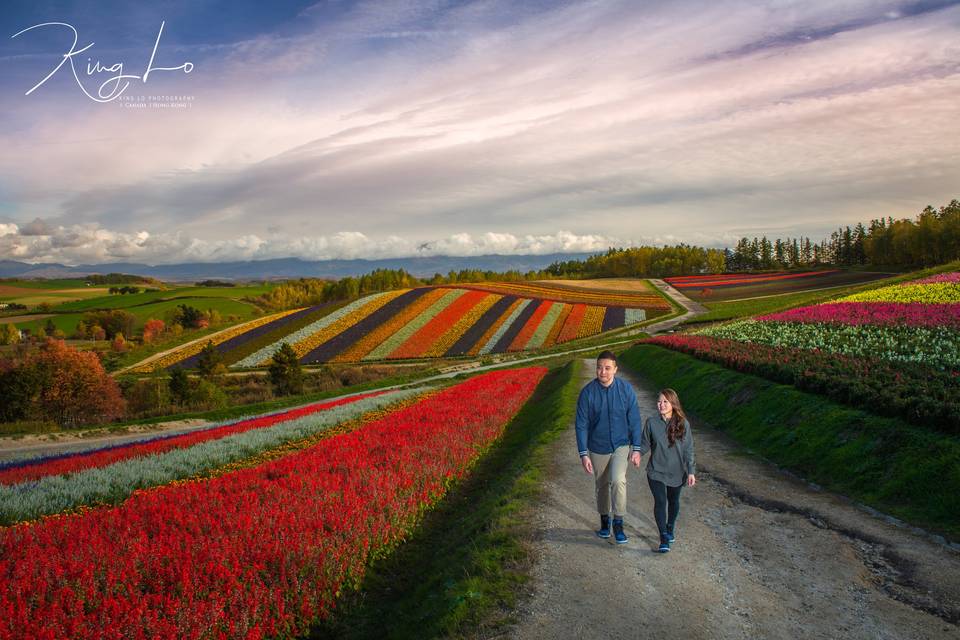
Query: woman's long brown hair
(676, 428)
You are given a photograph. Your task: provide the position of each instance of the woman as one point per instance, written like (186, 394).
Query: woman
(669, 439)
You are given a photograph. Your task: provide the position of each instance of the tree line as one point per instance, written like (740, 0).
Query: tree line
(932, 238)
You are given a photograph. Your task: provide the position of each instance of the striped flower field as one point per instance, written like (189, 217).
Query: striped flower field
(893, 350)
(432, 322)
(261, 546)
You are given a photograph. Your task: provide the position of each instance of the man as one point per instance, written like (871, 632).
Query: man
(608, 432)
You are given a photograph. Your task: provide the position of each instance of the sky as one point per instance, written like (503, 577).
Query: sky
(249, 130)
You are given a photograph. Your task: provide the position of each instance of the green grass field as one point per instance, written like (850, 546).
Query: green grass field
(74, 283)
(129, 301)
(68, 321)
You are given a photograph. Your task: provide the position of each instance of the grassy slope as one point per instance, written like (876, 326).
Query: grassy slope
(47, 284)
(903, 470)
(462, 567)
(136, 299)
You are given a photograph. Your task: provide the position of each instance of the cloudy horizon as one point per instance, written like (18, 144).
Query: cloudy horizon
(403, 128)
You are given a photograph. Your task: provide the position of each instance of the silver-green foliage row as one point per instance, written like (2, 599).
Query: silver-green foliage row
(938, 347)
(115, 482)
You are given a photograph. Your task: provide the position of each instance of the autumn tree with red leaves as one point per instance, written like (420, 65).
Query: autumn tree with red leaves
(69, 387)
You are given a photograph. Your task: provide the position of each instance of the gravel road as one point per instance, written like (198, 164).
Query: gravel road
(759, 554)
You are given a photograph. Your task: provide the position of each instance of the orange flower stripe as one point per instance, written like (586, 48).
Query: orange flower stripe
(197, 346)
(359, 350)
(466, 321)
(429, 333)
(522, 338)
(592, 321)
(551, 338)
(485, 338)
(309, 344)
(571, 327)
(558, 294)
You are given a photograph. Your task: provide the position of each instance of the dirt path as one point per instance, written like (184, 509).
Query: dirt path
(759, 554)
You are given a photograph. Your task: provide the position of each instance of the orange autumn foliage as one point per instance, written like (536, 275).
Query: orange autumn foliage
(72, 386)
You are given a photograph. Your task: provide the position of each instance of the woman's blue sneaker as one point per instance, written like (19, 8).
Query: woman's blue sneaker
(670, 538)
(664, 547)
(604, 530)
(618, 533)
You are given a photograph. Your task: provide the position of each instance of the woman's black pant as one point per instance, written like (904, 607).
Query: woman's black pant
(666, 506)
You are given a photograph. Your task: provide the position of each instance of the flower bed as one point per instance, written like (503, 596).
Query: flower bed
(739, 279)
(571, 326)
(529, 328)
(344, 322)
(913, 314)
(953, 277)
(197, 346)
(916, 393)
(35, 468)
(493, 334)
(431, 332)
(477, 335)
(935, 293)
(363, 326)
(450, 337)
(115, 482)
(394, 342)
(260, 552)
(592, 321)
(937, 347)
(545, 291)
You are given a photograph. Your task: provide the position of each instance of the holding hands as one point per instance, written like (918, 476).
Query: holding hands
(635, 458)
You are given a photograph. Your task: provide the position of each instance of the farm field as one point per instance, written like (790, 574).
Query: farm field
(873, 349)
(738, 286)
(69, 305)
(296, 521)
(30, 294)
(130, 301)
(425, 322)
(639, 285)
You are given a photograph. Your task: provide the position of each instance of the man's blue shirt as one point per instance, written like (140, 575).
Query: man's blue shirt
(607, 417)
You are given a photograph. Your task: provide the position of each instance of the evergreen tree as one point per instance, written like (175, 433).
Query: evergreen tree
(286, 376)
(179, 386)
(210, 361)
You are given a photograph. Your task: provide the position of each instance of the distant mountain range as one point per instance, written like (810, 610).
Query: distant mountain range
(284, 268)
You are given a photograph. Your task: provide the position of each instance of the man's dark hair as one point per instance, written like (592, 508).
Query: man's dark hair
(607, 355)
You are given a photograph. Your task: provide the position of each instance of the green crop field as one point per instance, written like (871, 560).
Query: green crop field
(46, 284)
(128, 301)
(68, 321)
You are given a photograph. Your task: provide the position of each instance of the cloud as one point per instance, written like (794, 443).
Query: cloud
(430, 123)
(78, 244)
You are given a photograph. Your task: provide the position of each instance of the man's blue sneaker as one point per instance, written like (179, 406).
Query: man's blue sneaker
(670, 538)
(604, 530)
(664, 547)
(618, 533)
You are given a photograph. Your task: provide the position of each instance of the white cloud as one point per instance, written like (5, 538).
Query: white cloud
(84, 244)
(609, 119)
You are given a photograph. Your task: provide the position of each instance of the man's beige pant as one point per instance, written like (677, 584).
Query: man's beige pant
(610, 472)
